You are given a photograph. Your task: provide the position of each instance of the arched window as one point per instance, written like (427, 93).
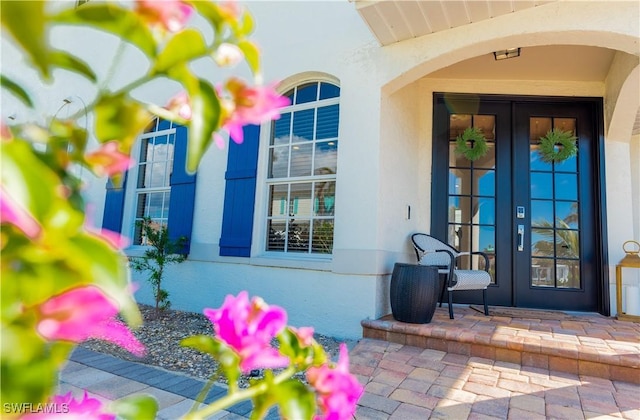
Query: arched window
(302, 167)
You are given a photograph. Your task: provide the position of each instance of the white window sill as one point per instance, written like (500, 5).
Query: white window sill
(136, 251)
(302, 261)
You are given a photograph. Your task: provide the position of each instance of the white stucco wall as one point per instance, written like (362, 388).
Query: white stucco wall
(384, 162)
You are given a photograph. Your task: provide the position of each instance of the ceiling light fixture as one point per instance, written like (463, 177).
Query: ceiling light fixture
(508, 53)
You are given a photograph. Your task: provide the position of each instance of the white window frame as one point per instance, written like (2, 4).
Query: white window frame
(261, 233)
(132, 191)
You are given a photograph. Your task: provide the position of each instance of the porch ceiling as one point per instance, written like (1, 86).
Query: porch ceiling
(395, 21)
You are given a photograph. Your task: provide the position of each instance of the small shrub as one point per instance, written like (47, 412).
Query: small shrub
(162, 252)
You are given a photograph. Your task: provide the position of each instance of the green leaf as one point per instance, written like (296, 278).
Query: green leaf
(209, 11)
(120, 118)
(205, 120)
(251, 54)
(135, 407)
(247, 23)
(204, 343)
(183, 47)
(67, 61)
(296, 400)
(17, 90)
(25, 20)
(111, 18)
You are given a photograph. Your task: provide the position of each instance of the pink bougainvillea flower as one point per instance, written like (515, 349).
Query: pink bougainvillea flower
(338, 390)
(5, 132)
(171, 15)
(248, 105)
(82, 313)
(181, 105)
(228, 55)
(65, 407)
(229, 10)
(304, 334)
(248, 328)
(14, 213)
(108, 160)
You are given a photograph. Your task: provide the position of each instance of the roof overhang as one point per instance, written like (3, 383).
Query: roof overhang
(393, 21)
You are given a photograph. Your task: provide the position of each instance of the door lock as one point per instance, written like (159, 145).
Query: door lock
(520, 212)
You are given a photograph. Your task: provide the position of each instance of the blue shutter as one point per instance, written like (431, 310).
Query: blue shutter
(183, 191)
(114, 205)
(239, 195)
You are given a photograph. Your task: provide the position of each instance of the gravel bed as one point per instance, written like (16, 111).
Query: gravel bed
(161, 335)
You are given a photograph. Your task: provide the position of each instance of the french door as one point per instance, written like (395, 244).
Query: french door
(538, 219)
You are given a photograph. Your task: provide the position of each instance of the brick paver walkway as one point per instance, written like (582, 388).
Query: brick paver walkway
(405, 382)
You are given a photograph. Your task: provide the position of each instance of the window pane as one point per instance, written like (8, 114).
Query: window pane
(144, 150)
(300, 199)
(542, 242)
(160, 152)
(568, 273)
(281, 129)
(535, 159)
(567, 243)
(459, 209)
(457, 124)
(326, 158)
(542, 273)
(486, 124)
(307, 93)
(459, 181)
(298, 238)
(157, 176)
(567, 214)
(322, 236)
(141, 206)
(328, 90)
(541, 185)
(486, 182)
(278, 200)
(327, 122)
(155, 205)
(486, 211)
(324, 198)
(538, 127)
(164, 125)
(301, 160)
(566, 186)
(279, 162)
(541, 213)
(277, 234)
(142, 176)
(303, 125)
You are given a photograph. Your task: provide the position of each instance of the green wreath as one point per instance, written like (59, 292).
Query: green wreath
(557, 137)
(478, 146)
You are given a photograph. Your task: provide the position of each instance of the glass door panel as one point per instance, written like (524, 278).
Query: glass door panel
(472, 192)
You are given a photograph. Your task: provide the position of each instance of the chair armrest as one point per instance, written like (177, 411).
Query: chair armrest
(484, 255)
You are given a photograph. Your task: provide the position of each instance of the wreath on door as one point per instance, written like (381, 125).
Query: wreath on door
(557, 146)
(471, 144)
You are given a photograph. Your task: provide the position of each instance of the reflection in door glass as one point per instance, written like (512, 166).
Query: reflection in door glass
(555, 221)
(472, 193)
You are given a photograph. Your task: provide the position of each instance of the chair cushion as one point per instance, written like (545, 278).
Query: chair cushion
(470, 280)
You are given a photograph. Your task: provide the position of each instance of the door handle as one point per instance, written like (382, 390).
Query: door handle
(520, 237)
